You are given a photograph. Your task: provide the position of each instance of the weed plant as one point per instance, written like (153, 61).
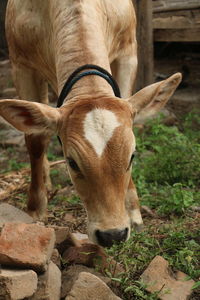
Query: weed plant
(167, 167)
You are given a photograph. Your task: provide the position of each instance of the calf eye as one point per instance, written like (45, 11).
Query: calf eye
(73, 164)
(132, 157)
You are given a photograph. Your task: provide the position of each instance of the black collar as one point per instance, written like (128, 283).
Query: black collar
(77, 75)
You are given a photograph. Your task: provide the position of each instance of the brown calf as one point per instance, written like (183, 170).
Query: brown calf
(48, 40)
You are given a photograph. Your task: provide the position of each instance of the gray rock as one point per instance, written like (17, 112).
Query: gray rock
(88, 287)
(70, 275)
(11, 214)
(49, 284)
(159, 277)
(56, 258)
(17, 284)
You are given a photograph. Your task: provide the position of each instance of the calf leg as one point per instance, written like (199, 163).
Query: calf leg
(31, 86)
(124, 71)
(133, 206)
(37, 199)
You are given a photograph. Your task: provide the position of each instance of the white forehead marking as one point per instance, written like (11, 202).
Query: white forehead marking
(99, 125)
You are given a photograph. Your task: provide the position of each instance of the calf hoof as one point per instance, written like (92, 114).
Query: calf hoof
(37, 216)
(37, 204)
(136, 219)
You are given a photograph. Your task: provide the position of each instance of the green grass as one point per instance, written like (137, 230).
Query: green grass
(167, 167)
(175, 242)
(61, 199)
(166, 172)
(14, 165)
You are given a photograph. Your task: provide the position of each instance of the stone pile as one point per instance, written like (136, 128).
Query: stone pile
(26, 267)
(39, 262)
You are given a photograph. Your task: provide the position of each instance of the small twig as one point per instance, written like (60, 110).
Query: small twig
(160, 290)
(58, 162)
(27, 170)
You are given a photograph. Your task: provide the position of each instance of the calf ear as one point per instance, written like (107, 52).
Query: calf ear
(152, 98)
(30, 117)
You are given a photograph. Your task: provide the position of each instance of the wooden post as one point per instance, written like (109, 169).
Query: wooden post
(3, 43)
(143, 10)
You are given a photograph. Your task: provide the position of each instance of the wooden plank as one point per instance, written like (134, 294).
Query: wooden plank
(192, 13)
(177, 35)
(162, 6)
(180, 20)
(145, 43)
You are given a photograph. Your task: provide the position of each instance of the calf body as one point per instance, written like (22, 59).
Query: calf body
(47, 41)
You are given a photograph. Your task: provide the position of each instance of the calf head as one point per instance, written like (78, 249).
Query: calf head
(98, 144)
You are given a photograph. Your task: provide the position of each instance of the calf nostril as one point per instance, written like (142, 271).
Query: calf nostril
(124, 234)
(108, 237)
